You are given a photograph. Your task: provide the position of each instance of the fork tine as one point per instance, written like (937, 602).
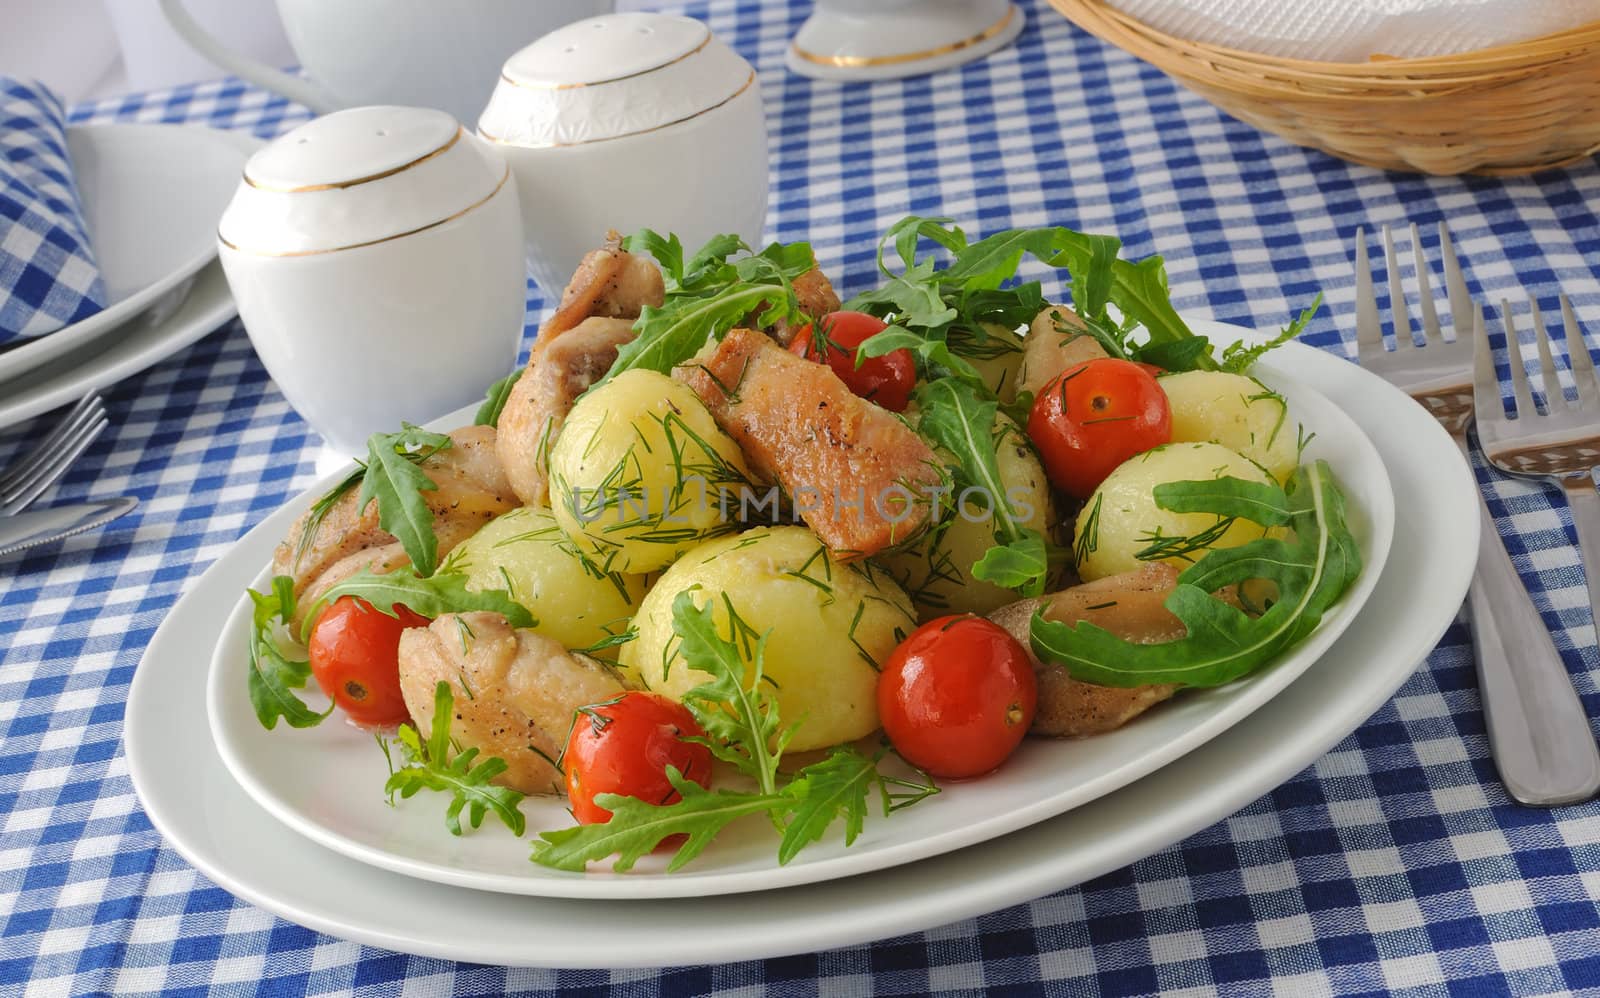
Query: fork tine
(1553, 393)
(1397, 295)
(1431, 333)
(39, 453)
(1578, 358)
(1487, 405)
(1462, 312)
(1369, 328)
(1519, 373)
(83, 417)
(58, 465)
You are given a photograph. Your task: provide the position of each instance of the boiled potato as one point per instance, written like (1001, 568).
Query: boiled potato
(637, 472)
(526, 553)
(1122, 517)
(831, 624)
(997, 358)
(937, 569)
(1237, 412)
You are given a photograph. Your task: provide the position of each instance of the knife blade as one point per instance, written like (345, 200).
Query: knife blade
(42, 526)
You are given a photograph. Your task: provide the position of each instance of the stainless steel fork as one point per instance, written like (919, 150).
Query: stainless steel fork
(1538, 730)
(36, 471)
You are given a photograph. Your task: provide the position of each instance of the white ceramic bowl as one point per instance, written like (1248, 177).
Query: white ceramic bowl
(628, 121)
(376, 258)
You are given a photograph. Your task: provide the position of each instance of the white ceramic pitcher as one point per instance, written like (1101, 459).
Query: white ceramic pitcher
(423, 53)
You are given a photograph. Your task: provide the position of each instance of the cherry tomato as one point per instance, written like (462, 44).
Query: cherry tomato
(355, 657)
(957, 696)
(1092, 417)
(886, 380)
(624, 746)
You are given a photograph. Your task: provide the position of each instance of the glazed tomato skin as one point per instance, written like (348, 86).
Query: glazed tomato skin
(624, 746)
(1094, 416)
(886, 380)
(957, 696)
(355, 657)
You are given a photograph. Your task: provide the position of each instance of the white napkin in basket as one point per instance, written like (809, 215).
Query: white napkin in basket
(1357, 30)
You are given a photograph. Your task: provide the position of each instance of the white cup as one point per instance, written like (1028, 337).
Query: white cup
(626, 121)
(376, 258)
(428, 53)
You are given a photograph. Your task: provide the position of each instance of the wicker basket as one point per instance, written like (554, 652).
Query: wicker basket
(1519, 108)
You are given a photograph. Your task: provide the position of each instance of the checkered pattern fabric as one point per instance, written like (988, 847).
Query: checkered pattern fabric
(48, 277)
(1395, 863)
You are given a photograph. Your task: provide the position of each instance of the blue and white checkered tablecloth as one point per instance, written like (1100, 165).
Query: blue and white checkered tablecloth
(1402, 867)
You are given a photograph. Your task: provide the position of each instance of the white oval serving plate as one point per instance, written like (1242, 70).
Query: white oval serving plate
(151, 198)
(193, 801)
(326, 782)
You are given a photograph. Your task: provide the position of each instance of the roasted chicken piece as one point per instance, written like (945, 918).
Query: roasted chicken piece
(562, 370)
(816, 297)
(516, 692)
(609, 282)
(859, 477)
(1130, 606)
(1053, 344)
(576, 347)
(472, 490)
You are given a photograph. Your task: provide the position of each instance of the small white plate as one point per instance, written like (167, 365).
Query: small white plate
(190, 798)
(138, 345)
(152, 195)
(325, 782)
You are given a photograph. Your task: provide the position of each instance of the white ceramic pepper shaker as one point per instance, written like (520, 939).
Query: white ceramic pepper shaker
(376, 258)
(627, 121)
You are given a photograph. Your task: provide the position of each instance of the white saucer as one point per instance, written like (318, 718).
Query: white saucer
(152, 195)
(847, 40)
(212, 822)
(146, 340)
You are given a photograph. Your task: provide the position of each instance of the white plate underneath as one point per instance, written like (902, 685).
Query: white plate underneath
(138, 344)
(326, 782)
(151, 196)
(212, 822)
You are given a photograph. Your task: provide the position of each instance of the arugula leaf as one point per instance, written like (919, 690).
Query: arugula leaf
(433, 596)
(744, 730)
(430, 767)
(1238, 358)
(636, 828)
(707, 296)
(394, 479)
(955, 418)
(805, 809)
(274, 676)
(742, 721)
(1311, 570)
(1265, 503)
(494, 401)
(821, 792)
(931, 350)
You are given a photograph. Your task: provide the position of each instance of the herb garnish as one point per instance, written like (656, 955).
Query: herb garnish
(708, 295)
(494, 400)
(430, 766)
(956, 418)
(1311, 569)
(394, 479)
(274, 676)
(746, 731)
(431, 596)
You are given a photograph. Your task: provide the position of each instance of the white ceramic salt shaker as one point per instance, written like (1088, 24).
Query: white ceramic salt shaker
(376, 258)
(627, 121)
